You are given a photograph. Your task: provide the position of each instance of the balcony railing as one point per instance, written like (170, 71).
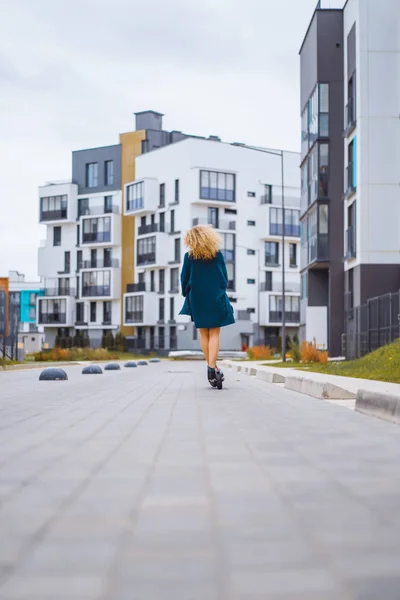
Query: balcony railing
(222, 224)
(275, 316)
(52, 318)
(351, 244)
(99, 237)
(146, 259)
(98, 210)
(271, 261)
(293, 287)
(100, 264)
(96, 290)
(151, 228)
(59, 291)
(137, 204)
(134, 316)
(290, 230)
(132, 288)
(53, 215)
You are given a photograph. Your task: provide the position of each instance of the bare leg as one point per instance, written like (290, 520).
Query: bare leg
(204, 342)
(213, 346)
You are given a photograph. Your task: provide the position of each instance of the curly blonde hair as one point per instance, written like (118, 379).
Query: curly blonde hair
(203, 242)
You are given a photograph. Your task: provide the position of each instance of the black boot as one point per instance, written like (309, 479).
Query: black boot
(211, 376)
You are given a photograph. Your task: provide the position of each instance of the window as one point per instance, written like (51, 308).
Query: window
(107, 257)
(96, 230)
(161, 338)
(176, 190)
(174, 274)
(162, 222)
(67, 262)
(352, 166)
(63, 286)
(251, 252)
(304, 286)
(293, 255)
(172, 221)
(96, 283)
(324, 109)
(172, 338)
(351, 104)
(217, 186)
(78, 235)
(268, 281)
(162, 195)
(93, 259)
(83, 207)
(32, 313)
(230, 211)
(135, 196)
(108, 204)
(230, 267)
(32, 299)
(161, 281)
(107, 313)
(323, 170)
(292, 227)
(177, 249)
(161, 309)
(315, 117)
(152, 282)
(251, 194)
(146, 250)
(172, 309)
(93, 312)
(56, 236)
(92, 175)
(78, 260)
(251, 223)
(272, 254)
(52, 311)
(251, 281)
(134, 309)
(213, 216)
(109, 172)
(228, 246)
(292, 309)
(266, 198)
(53, 207)
(351, 243)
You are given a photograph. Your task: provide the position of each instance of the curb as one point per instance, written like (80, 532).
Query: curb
(303, 385)
(378, 404)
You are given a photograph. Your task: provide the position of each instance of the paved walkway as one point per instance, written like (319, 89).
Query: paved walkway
(145, 484)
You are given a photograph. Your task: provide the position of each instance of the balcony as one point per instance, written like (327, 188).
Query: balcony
(52, 319)
(60, 291)
(276, 316)
(290, 287)
(134, 317)
(133, 288)
(53, 215)
(95, 291)
(146, 259)
(96, 237)
(350, 117)
(290, 230)
(221, 224)
(152, 228)
(350, 178)
(98, 210)
(112, 263)
(351, 243)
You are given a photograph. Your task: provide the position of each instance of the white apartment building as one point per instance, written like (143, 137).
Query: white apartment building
(79, 262)
(238, 190)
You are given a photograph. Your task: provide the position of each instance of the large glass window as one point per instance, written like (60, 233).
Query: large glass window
(323, 170)
(292, 309)
(271, 254)
(109, 172)
(135, 196)
(134, 309)
(92, 175)
(315, 117)
(228, 246)
(96, 283)
(293, 255)
(146, 250)
(56, 236)
(324, 110)
(292, 227)
(53, 207)
(217, 186)
(96, 230)
(52, 311)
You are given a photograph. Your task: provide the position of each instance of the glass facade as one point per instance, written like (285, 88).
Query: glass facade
(135, 196)
(217, 186)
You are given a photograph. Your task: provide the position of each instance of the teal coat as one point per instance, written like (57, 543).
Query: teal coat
(204, 284)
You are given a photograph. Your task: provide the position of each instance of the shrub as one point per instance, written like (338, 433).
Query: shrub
(310, 354)
(65, 355)
(295, 351)
(323, 357)
(259, 353)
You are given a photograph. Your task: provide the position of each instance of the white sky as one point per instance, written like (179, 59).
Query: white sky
(73, 72)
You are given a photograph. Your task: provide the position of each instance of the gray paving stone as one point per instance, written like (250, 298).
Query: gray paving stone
(169, 489)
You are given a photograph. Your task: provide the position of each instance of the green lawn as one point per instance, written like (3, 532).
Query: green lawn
(382, 365)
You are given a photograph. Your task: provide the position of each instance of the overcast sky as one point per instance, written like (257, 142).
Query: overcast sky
(73, 72)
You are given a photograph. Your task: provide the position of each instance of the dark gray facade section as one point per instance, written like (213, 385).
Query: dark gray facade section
(148, 119)
(321, 58)
(81, 158)
(351, 52)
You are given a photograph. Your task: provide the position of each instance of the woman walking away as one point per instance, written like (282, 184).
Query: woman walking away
(204, 280)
